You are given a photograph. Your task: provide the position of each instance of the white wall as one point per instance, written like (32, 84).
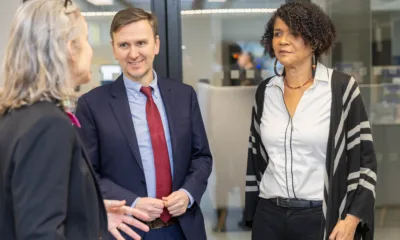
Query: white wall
(100, 41)
(99, 38)
(7, 10)
(201, 40)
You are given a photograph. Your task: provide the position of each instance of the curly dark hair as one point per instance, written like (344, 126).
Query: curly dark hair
(304, 19)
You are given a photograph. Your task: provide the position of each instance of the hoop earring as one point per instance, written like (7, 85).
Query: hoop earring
(313, 65)
(276, 72)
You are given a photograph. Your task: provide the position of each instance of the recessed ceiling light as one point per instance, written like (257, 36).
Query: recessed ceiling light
(101, 2)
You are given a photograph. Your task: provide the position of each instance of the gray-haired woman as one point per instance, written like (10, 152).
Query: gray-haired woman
(48, 189)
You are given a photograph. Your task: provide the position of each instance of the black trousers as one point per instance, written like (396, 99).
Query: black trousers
(272, 222)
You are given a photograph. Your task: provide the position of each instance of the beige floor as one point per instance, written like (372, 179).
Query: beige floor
(381, 234)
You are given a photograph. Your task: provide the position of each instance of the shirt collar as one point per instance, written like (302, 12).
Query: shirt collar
(321, 75)
(135, 86)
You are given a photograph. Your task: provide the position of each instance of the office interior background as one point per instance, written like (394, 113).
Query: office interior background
(213, 45)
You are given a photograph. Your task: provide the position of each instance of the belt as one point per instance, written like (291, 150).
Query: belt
(158, 223)
(294, 203)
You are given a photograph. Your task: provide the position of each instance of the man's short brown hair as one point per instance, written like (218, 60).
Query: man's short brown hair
(130, 15)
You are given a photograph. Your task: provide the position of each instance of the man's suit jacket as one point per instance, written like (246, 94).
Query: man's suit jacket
(48, 189)
(109, 136)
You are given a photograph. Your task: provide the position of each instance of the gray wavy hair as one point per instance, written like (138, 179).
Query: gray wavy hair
(36, 65)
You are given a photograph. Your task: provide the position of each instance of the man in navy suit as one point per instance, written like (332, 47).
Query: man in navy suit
(145, 135)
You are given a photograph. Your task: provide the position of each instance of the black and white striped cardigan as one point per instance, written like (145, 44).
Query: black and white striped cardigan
(350, 175)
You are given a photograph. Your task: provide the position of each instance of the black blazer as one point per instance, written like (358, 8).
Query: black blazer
(47, 187)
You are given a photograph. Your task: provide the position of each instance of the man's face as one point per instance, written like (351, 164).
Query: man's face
(135, 47)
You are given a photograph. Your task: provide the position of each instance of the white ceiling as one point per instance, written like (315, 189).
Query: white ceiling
(376, 5)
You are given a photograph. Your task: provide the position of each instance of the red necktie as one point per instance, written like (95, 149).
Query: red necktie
(160, 151)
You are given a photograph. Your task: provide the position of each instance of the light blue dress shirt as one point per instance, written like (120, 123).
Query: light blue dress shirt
(137, 104)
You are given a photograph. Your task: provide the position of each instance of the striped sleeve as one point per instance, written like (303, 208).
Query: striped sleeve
(361, 159)
(252, 188)
(257, 158)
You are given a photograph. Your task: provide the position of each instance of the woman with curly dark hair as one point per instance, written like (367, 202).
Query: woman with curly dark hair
(311, 170)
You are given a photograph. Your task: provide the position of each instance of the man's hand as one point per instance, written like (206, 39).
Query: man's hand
(345, 229)
(176, 203)
(117, 219)
(152, 206)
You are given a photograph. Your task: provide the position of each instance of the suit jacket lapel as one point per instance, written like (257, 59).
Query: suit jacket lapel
(122, 112)
(168, 100)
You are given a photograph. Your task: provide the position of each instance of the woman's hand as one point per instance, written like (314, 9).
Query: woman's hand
(119, 219)
(345, 229)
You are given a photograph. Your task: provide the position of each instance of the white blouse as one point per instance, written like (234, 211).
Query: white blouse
(296, 147)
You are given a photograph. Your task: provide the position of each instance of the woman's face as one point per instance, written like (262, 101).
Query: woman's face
(81, 55)
(289, 49)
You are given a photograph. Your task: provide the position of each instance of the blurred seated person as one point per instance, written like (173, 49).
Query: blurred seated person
(249, 75)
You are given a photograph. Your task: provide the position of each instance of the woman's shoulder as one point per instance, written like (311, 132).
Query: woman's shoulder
(35, 122)
(339, 80)
(343, 77)
(343, 83)
(261, 87)
(37, 117)
(44, 112)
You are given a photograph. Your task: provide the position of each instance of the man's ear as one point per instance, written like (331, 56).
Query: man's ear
(113, 49)
(157, 47)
